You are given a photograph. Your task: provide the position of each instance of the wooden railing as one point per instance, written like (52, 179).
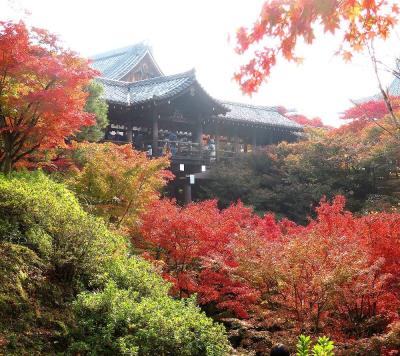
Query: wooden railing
(185, 151)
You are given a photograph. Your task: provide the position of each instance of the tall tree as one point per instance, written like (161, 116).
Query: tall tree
(281, 24)
(42, 95)
(96, 105)
(120, 191)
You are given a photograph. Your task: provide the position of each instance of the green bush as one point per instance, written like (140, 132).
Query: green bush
(21, 276)
(67, 282)
(323, 347)
(44, 216)
(118, 322)
(32, 316)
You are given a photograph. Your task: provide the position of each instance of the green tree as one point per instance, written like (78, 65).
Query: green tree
(99, 107)
(263, 181)
(120, 322)
(67, 282)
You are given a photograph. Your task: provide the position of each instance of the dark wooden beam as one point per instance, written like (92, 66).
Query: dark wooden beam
(155, 133)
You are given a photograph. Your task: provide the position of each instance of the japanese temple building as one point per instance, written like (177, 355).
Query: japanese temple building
(174, 114)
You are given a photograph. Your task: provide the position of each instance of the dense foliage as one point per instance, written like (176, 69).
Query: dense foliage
(338, 274)
(264, 182)
(120, 322)
(53, 254)
(193, 244)
(120, 191)
(359, 160)
(283, 24)
(42, 95)
(99, 107)
(44, 216)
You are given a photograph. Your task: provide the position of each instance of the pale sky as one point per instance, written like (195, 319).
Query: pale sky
(189, 34)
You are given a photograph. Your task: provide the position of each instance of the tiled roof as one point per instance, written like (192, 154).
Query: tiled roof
(114, 65)
(117, 63)
(165, 87)
(264, 115)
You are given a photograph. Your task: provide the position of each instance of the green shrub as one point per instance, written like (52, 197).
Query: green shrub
(323, 347)
(133, 314)
(32, 316)
(21, 276)
(51, 250)
(136, 274)
(118, 322)
(44, 216)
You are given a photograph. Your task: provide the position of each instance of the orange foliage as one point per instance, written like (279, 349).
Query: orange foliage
(194, 244)
(116, 182)
(334, 274)
(282, 23)
(41, 92)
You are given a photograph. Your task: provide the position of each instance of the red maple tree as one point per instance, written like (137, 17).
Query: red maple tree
(336, 274)
(41, 92)
(282, 24)
(193, 247)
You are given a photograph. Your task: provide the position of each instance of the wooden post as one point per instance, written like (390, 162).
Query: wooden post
(236, 141)
(199, 133)
(217, 144)
(269, 138)
(155, 134)
(254, 140)
(128, 133)
(198, 137)
(187, 189)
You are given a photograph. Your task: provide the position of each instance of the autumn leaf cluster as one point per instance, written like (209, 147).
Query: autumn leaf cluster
(339, 271)
(282, 24)
(42, 95)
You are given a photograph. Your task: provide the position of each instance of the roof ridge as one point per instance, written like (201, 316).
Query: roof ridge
(269, 108)
(113, 81)
(189, 73)
(143, 45)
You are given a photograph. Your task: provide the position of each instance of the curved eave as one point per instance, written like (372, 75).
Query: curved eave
(258, 124)
(154, 62)
(128, 68)
(180, 85)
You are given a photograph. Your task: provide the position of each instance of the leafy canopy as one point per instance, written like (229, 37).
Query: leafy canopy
(281, 24)
(192, 246)
(42, 95)
(117, 182)
(68, 283)
(99, 107)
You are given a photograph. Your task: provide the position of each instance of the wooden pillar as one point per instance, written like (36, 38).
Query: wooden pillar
(217, 144)
(187, 190)
(254, 139)
(199, 133)
(236, 141)
(270, 137)
(128, 133)
(198, 136)
(155, 134)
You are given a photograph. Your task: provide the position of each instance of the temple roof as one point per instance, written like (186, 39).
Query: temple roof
(160, 88)
(264, 115)
(117, 63)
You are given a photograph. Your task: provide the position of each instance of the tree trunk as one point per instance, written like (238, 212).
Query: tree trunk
(6, 165)
(7, 162)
